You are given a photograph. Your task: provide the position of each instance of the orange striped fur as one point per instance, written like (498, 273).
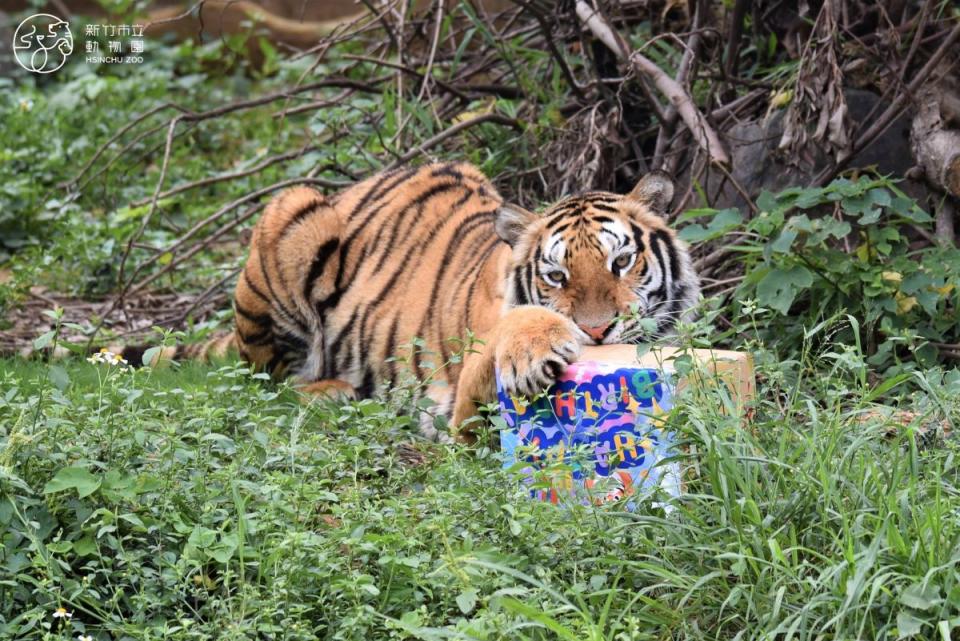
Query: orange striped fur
(335, 287)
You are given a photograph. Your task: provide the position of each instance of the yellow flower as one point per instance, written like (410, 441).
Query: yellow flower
(893, 277)
(61, 613)
(905, 303)
(780, 99)
(945, 290)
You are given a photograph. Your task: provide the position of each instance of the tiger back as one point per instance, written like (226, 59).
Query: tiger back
(332, 289)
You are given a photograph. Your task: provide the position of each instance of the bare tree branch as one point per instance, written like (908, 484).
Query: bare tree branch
(702, 132)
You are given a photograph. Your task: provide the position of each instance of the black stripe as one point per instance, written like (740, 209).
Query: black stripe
(399, 218)
(392, 346)
(335, 339)
(519, 291)
(253, 288)
(334, 297)
(263, 337)
(366, 388)
(603, 207)
(655, 245)
(328, 302)
(463, 199)
(676, 303)
(674, 257)
(315, 204)
(665, 238)
(469, 224)
(556, 215)
(381, 189)
(257, 319)
(290, 316)
(638, 237)
(320, 258)
(274, 362)
(337, 343)
(600, 197)
(294, 342)
(528, 281)
(475, 274)
(447, 169)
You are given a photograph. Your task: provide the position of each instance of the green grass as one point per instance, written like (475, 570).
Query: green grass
(203, 502)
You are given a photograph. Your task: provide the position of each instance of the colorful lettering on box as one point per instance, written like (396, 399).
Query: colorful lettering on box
(605, 425)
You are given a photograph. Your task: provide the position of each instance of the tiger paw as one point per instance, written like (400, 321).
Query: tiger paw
(329, 389)
(536, 345)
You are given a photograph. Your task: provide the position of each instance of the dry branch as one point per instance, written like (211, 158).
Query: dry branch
(702, 132)
(935, 147)
(891, 113)
(453, 131)
(266, 162)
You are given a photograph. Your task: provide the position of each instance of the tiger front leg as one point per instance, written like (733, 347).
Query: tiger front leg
(533, 349)
(530, 347)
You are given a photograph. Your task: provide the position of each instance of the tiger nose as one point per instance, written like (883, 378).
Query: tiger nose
(598, 332)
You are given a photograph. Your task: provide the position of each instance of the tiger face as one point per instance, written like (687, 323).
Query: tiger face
(608, 262)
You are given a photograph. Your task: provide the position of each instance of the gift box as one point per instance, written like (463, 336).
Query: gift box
(600, 434)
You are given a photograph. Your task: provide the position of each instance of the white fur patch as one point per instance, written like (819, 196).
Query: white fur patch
(555, 249)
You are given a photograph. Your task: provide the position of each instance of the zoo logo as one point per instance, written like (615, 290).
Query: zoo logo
(42, 43)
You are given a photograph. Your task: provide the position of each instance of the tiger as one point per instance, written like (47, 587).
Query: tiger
(335, 287)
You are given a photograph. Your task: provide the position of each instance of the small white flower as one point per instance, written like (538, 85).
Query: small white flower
(26, 104)
(84, 637)
(107, 357)
(61, 613)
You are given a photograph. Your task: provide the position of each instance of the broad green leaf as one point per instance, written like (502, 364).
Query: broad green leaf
(906, 208)
(78, 478)
(810, 198)
(150, 354)
(224, 550)
(779, 288)
(59, 377)
(920, 596)
(784, 241)
(60, 547)
(908, 625)
(42, 341)
(539, 616)
(722, 222)
(202, 537)
(467, 600)
(85, 546)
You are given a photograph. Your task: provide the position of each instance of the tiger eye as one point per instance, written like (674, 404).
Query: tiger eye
(557, 276)
(622, 261)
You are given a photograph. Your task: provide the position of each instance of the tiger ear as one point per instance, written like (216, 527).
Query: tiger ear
(655, 190)
(511, 222)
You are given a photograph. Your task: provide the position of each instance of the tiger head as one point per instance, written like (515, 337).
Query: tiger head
(606, 261)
